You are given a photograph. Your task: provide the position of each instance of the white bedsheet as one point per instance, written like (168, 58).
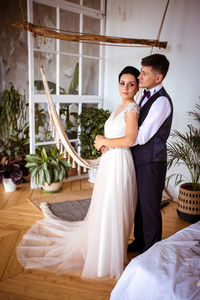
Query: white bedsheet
(169, 270)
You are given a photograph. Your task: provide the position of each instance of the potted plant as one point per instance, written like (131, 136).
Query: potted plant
(13, 113)
(185, 150)
(12, 172)
(14, 133)
(14, 137)
(91, 121)
(66, 114)
(48, 167)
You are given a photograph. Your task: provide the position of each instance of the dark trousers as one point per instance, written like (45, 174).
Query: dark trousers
(148, 219)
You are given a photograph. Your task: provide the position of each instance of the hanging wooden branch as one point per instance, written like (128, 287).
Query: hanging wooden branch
(45, 32)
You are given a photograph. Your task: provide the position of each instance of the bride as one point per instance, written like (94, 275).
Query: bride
(97, 246)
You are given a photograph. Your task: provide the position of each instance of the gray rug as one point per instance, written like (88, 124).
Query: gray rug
(75, 210)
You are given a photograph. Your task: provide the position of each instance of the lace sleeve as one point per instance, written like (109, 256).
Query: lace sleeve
(132, 107)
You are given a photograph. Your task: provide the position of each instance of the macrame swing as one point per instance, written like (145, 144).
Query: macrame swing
(55, 123)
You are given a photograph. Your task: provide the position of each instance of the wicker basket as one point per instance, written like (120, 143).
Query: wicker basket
(188, 205)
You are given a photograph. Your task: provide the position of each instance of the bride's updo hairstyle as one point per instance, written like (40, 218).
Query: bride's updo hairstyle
(130, 70)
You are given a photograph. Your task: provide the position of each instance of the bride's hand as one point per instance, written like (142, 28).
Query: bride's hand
(99, 137)
(98, 143)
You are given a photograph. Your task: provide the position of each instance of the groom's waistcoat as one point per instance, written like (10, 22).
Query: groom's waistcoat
(155, 149)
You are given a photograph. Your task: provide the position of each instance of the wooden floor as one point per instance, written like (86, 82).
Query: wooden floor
(16, 217)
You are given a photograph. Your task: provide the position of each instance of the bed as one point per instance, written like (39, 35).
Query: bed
(169, 270)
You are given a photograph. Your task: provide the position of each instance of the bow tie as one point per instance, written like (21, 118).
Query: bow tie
(147, 94)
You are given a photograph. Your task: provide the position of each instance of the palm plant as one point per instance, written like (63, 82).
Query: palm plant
(185, 150)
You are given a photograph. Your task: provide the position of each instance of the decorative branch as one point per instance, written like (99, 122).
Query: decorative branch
(45, 32)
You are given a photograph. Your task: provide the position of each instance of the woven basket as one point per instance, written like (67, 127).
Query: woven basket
(188, 205)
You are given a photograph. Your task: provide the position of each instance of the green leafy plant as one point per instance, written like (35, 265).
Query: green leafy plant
(42, 126)
(14, 133)
(47, 166)
(185, 150)
(13, 147)
(91, 121)
(13, 112)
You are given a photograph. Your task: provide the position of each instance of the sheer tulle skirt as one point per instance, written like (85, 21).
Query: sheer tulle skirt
(96, 246)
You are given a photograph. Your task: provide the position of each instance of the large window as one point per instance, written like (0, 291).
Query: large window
(64, 62)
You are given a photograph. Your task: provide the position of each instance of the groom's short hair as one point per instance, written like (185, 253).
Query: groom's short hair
(158, 62)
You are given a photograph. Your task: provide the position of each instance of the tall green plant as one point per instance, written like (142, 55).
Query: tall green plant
(13, 112)
(185, 150)
(14, 133)
(91, 121)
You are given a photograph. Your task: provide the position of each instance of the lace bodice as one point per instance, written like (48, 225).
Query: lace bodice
(115, 126)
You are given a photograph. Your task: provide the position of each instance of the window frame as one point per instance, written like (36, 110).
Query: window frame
(79, 99)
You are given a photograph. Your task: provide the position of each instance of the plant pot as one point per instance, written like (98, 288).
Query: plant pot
(188, 205)
(92, 175)
(55, 187)
(72, 135)
(9, 186)
(72, 172)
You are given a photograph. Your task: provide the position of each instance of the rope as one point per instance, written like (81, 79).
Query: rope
(22, 11)
(34, 35)
(161, 25)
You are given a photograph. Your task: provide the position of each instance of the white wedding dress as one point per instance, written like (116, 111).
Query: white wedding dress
(96, 246)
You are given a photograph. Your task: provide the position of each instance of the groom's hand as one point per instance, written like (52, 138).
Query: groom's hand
(104, 149)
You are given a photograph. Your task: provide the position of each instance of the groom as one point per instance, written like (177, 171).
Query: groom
(149, 151)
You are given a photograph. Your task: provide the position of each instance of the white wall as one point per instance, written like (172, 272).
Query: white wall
(141, 19)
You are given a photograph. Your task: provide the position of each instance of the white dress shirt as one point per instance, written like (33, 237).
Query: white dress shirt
(158, 113)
